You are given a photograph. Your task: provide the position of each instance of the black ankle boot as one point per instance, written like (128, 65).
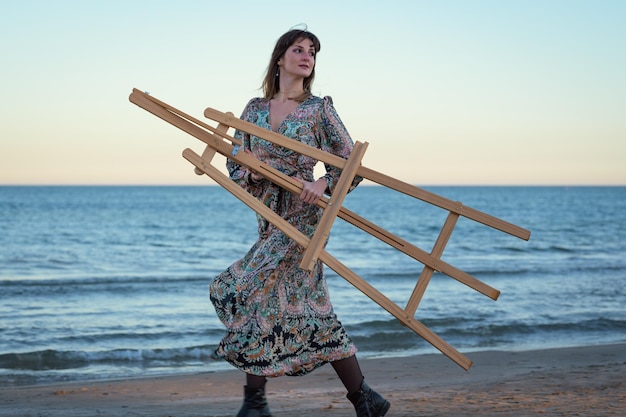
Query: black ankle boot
(368, 403)
(254, 403)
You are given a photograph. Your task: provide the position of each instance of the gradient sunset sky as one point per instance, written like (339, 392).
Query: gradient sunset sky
(446, 92)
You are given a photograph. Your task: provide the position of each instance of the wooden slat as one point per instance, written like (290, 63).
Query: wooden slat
(334, 205)
(137, 95)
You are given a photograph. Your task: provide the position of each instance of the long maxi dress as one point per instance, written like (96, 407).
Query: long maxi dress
(279, 318)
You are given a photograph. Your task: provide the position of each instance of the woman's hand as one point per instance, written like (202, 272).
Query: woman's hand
(253, 176)
(312, 191)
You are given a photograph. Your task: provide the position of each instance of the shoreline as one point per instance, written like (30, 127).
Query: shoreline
(586, 380)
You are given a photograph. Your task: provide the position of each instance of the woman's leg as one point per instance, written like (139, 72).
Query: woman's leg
(255, 381)
(254, 401)
(367, 402)
(349, 371)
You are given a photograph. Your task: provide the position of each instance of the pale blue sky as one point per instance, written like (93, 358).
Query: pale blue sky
(445, 92)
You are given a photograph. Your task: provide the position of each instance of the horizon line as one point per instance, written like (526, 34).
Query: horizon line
(368, 184)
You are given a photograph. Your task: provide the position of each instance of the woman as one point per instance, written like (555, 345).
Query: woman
(279, 317)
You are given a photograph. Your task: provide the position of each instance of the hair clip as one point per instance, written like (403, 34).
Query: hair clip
(300, 26)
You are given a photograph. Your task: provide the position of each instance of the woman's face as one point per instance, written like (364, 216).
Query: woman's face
(299, 59)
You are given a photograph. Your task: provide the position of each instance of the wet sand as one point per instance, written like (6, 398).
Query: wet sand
(578, 381)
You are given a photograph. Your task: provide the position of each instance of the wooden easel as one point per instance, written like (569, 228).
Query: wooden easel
(217, 140)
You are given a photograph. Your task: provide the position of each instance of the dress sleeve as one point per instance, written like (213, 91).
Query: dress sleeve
(240, 174)
(335, 139)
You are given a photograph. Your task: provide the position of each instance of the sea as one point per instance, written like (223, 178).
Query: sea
(107, 282)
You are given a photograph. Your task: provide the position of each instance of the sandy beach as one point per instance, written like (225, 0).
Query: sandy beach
(579, 381)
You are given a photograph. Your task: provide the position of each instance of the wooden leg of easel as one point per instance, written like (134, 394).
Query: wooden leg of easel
(334, 205)
(427, 272)
(409, 321)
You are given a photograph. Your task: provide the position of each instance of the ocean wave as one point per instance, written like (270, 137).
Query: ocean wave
(383, 331)
(105, 279)
(142, 335)
(59, 360)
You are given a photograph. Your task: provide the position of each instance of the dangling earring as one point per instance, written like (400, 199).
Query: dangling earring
(278, 72)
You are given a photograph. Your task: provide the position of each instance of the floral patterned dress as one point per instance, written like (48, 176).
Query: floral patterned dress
(279, 318)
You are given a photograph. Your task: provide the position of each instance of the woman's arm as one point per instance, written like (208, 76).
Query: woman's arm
(335, 139)
(247, 179)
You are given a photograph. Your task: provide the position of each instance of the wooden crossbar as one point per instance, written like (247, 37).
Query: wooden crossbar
(334, 204)
(218, 141)
(427, 271)
(209, 151)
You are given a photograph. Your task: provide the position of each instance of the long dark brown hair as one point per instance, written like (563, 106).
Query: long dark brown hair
(270, 83)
